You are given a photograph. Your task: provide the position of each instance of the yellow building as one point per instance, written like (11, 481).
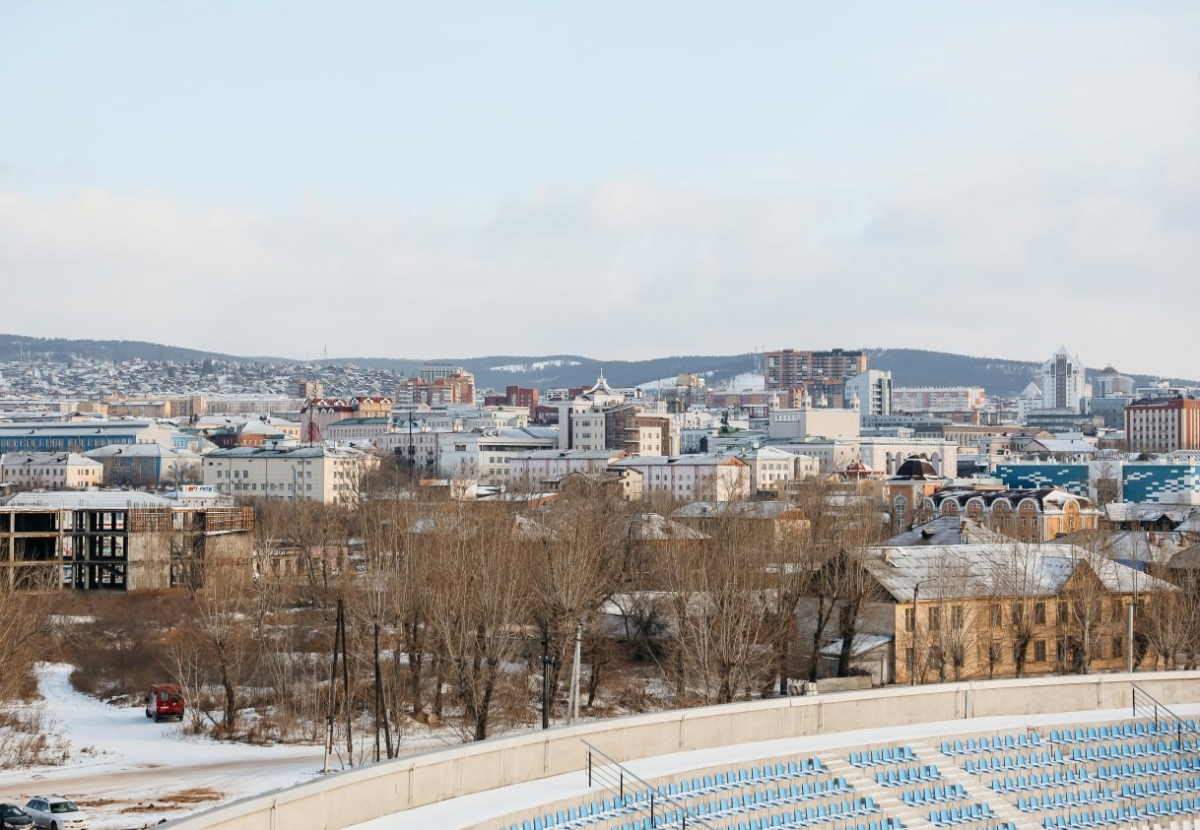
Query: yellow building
(1007, 609)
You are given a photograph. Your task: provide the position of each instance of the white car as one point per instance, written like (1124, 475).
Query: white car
(56, 813)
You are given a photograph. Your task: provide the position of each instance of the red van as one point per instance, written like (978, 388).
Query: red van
(165, 700)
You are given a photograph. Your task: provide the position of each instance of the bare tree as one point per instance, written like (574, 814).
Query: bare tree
(479, 604)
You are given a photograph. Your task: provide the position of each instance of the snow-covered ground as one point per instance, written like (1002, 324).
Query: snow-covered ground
(129, 772)
(535, 366)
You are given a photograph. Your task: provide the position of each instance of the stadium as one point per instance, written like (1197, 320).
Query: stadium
(1109, 750)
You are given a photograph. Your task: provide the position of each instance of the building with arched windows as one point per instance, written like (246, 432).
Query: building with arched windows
(1028, 515)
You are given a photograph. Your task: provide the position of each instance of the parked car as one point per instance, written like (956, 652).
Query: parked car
(164, 700)
(54, 812)
(12, 816)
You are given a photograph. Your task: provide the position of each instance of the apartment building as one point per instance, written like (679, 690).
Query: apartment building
(485, 457)
(437, 386)
(638, 430)
(793, 368)
(50, 471)
(938, 400)
(308, 473)
(1162, 425)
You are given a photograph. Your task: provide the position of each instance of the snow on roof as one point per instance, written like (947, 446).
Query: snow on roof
(90, 500)
(742, 509)
(652, 527)
(948, 530)
(987, 570)
(861, 644)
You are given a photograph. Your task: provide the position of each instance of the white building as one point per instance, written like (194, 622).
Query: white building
(309, 473)
(873, 389)
(417, 448)
(691, 477)
(551, 465)
(1062, 381)
(581, 421)
(50, 471)
(808, 422)
(772, 468)
(484, 457)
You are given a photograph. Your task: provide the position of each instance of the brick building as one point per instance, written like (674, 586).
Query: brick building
(1162, 425)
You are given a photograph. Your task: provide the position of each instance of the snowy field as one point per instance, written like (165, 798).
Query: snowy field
(129, 772)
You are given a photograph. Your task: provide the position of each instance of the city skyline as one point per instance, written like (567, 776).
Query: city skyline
(397, 181)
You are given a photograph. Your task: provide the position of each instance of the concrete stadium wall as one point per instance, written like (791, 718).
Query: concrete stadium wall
(353, 796)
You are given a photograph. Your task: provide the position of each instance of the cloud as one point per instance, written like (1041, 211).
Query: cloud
(998, 265)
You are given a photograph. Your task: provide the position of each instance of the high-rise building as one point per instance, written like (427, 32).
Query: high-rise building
(1062, 381)
(787, 368)
(838, 363)
(792, 368)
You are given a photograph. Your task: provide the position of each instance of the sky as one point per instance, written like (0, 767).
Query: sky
(618, 180)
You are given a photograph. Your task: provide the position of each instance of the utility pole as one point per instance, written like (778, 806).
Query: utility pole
(546, 679)
(332, 691)
(912, 669)
(574, 698)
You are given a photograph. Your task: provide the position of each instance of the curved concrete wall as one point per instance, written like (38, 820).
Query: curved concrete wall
(346, 798)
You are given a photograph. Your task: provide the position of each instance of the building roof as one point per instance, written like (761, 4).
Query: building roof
(579, 455)
(995, 570)
(89, 500)
(948, 530)
(915, 468)
(652, 527)
(771, 510)
(680, 461)
(68, 459)
(139, 451)
(1046, 497)
(862, 644)
(306, 451)
(1130, 545)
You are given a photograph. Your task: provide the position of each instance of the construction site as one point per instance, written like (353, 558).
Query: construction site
(118, 541)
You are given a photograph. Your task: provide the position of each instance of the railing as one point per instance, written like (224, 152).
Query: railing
(634, 791)
(1146, 706)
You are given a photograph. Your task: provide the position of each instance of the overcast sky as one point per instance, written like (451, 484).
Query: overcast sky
(618, 180)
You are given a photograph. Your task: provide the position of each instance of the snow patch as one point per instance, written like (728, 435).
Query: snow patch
(535, 366)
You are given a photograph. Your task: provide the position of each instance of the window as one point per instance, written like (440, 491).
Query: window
(1118, 647)
(956, 617)
(996, 653)
(1018, 613)
(908, 658)
(1064, 614)
(910, 618)
(995, 614)
(1039, 651)
(1039, 613)
(935, 617)
(1118, 611)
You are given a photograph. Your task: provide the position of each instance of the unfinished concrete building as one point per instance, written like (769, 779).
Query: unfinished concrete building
(118, 541)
